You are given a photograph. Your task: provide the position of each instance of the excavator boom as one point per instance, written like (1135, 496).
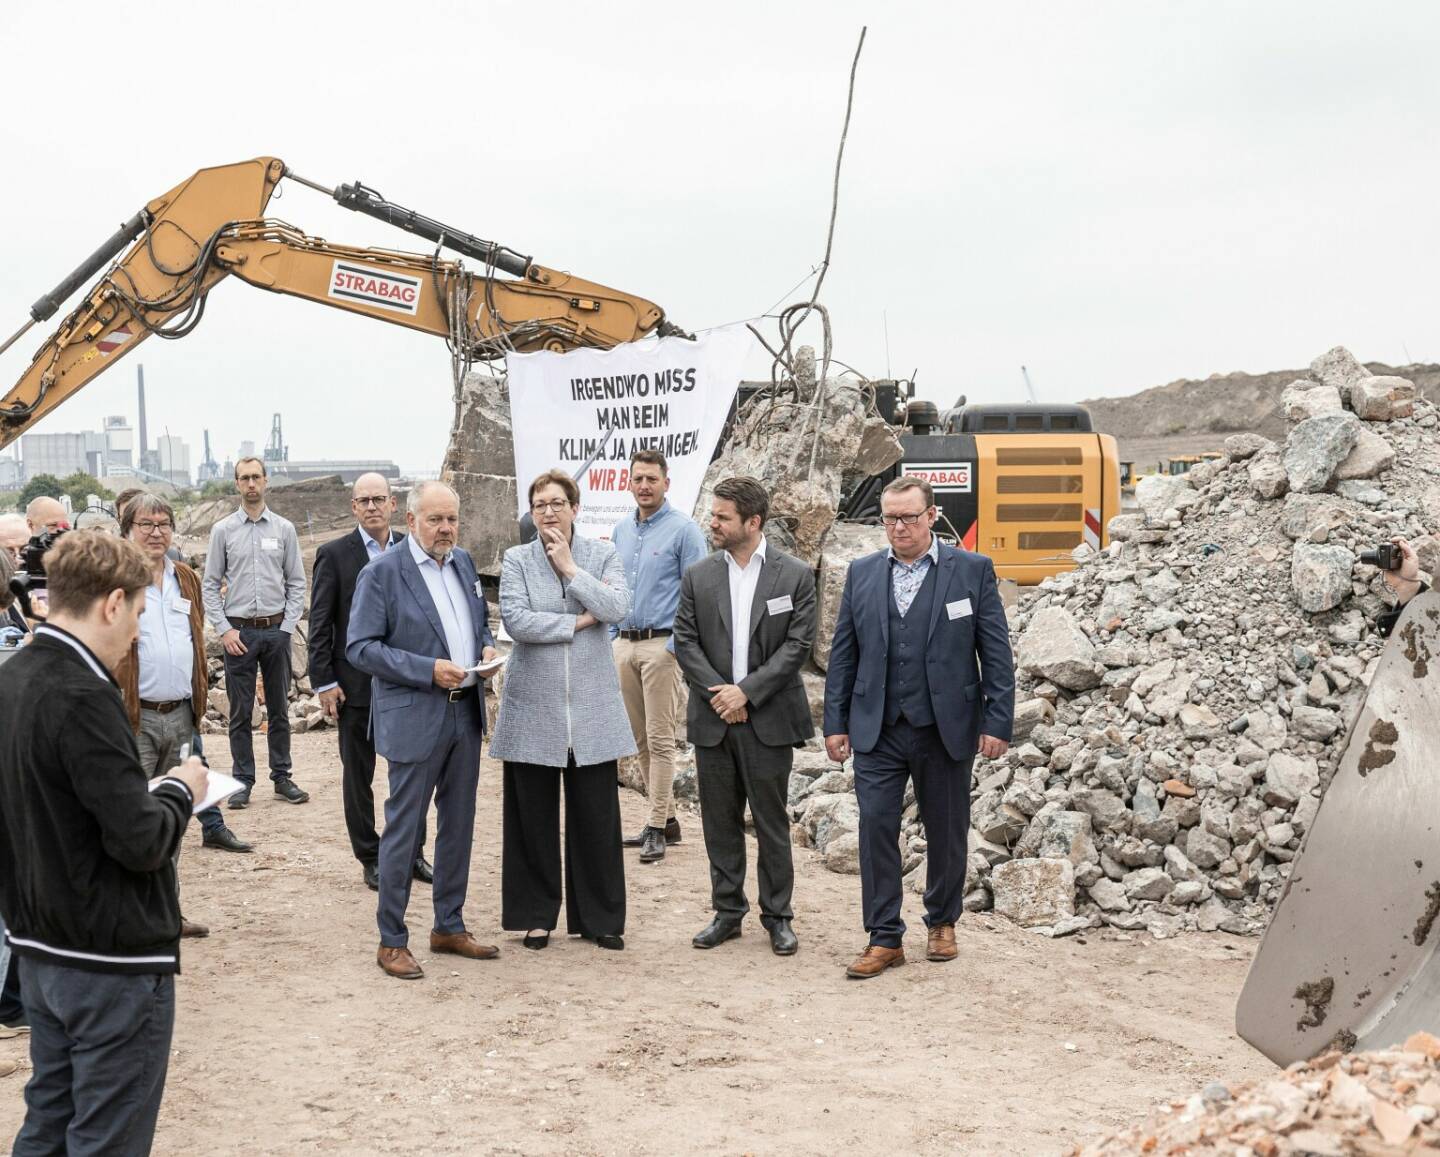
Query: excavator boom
(213, 224)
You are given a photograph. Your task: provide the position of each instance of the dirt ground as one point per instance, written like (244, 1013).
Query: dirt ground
(290, 1040)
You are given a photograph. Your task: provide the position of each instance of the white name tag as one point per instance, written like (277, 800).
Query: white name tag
(779, 606)
(958, 610)
(181, 606)
(478, 591)
(269, 544)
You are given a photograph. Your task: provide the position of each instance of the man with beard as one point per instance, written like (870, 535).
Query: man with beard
(743, 630)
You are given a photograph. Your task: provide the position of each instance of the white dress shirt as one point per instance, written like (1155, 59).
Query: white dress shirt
(742, 597)
(447, 592)
(167, 652)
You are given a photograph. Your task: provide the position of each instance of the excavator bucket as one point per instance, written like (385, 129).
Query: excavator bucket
(1348, 960)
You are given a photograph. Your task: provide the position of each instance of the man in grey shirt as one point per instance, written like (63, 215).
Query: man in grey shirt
(255, 555)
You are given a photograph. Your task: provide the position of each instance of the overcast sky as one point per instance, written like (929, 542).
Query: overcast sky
(1114, 194)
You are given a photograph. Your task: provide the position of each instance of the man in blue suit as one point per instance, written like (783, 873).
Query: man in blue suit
(418, 624)
(920, 678)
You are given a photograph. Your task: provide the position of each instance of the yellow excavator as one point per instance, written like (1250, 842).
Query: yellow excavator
(213, 225)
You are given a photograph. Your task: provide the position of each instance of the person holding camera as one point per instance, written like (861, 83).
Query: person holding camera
(1400, 566)
(87, 887)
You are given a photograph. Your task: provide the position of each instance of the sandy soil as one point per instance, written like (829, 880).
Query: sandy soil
(290, 1040)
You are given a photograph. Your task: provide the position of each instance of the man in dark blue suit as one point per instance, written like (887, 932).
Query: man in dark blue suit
(418, 624)
(920, 677)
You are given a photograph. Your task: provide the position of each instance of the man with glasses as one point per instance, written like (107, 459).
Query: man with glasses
(345, 692)
(920, 678)
(164, 680)
(255, 557)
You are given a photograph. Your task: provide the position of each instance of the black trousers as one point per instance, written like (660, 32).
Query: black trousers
(357, 783)
(269, 651)
(942, 789)
(100, 1048)
(594, 858)
(738, 769)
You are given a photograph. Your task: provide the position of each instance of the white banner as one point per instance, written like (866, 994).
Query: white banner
(587, 411)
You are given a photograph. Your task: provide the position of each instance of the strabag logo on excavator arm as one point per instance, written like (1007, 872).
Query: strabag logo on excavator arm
(951, 477)
(382, 288)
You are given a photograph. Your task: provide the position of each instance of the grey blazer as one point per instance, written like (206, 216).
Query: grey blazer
(561, 690)
(779, 645)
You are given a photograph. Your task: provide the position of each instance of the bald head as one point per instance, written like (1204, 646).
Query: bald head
(45, 514)
(373, 505)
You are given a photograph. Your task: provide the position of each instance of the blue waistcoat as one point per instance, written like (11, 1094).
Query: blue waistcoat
(907, 684)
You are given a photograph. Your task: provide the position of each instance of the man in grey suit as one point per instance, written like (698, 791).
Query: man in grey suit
(418, 624)
(744, 628)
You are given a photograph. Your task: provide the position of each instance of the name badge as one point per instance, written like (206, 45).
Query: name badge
(479, 593)
(269, 544)
(779, 606)
(181, 606)
(958, 609)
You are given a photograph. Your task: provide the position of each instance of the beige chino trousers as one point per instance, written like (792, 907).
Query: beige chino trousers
(650, 684)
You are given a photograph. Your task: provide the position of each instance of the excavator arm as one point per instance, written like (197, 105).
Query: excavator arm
(213, 225)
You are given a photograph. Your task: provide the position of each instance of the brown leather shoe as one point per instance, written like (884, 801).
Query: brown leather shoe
(940, 944)
(191, 930)
(398, 962)
(462, 944)
(874, 960)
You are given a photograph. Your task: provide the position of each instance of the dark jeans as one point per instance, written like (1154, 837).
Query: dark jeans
(942, 789)
(594, 858)
(269, 650)
(739, 769)
(357, 782)
(99, 1045)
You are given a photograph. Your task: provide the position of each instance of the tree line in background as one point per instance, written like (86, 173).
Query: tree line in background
(79, 486)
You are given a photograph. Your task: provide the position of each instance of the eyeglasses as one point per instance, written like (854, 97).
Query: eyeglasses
(378, 500)
(555, 506)
(152, 527)
(908, 519)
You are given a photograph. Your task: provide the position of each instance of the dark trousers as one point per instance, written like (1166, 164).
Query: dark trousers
(451, 775)
(357, 782)
(11, 1007)
(738, 769)
(594, 858)
(99, 1047)
(269, 650)
(942, 789)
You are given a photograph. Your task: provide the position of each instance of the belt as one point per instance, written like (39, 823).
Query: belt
(164, 708)
(643, 633)
(259, 624)
(460, 693)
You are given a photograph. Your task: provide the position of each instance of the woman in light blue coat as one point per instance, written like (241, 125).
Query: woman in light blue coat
(562, 720)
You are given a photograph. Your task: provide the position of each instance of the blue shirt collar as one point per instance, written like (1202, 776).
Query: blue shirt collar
(371, 543)
(654, 518)
(933, 554)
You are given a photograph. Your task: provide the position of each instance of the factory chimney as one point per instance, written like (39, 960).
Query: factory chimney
(144, 447)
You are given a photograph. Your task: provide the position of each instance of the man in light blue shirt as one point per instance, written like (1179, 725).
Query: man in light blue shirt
(656, 545)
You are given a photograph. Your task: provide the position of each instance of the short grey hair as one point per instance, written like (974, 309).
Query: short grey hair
(144, 503)
(7, 568)
(421, 489)
(14, 524)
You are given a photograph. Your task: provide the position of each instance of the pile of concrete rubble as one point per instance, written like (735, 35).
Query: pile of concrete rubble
(1184, 694)
(1335, 1105)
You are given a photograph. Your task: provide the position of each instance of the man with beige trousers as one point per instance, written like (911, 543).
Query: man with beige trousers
(656, 545)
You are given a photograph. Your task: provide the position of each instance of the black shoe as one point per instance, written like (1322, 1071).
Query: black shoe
(612, 942)
(242, 797)
(719, 930)
(372, 876)
(653, 846)
(537, 942)
(672, 834)
(782, 939)
(422, 870)
(226, 840)
(285, 788)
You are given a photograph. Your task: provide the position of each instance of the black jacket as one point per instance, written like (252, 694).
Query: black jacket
(1385, 622)
(332, 586)
(86, 877)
